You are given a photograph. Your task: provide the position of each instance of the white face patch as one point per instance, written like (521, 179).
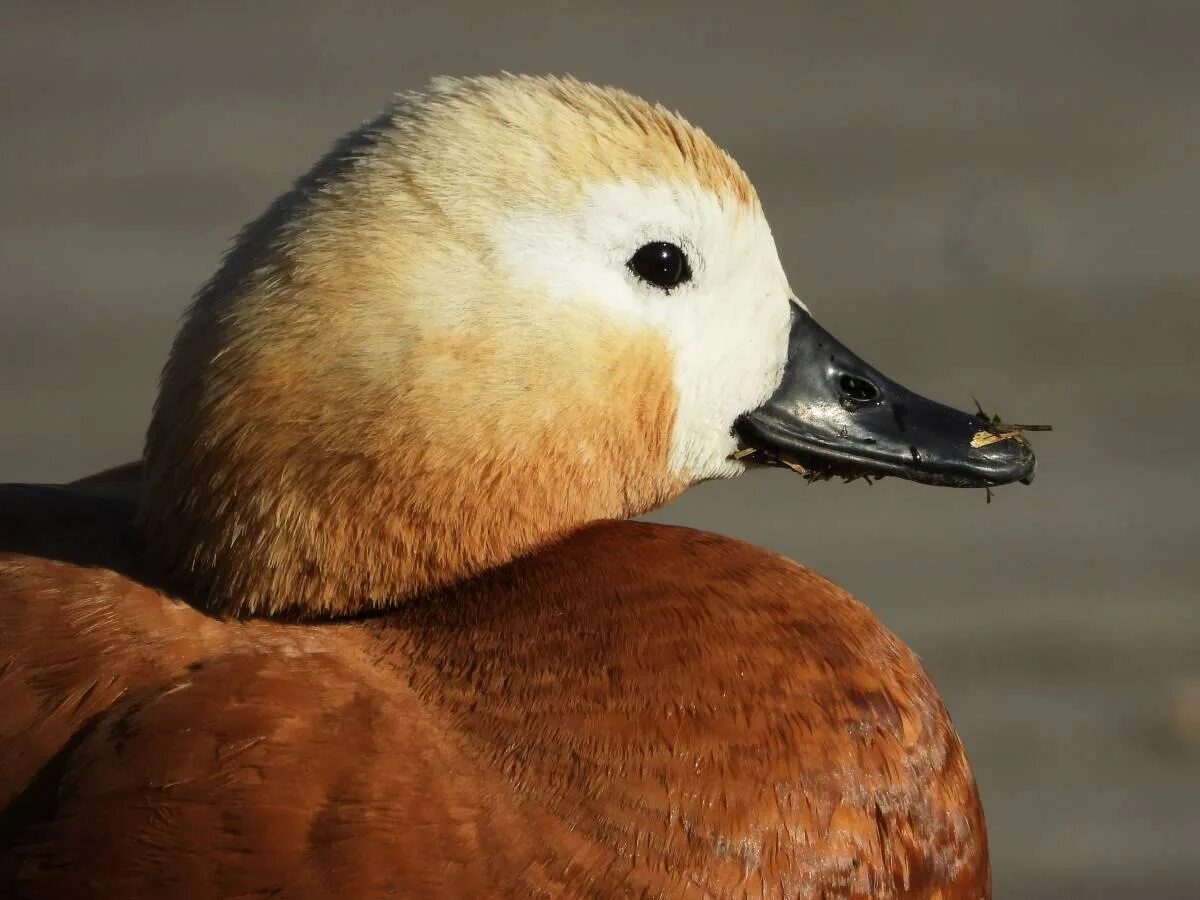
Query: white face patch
(727, 326)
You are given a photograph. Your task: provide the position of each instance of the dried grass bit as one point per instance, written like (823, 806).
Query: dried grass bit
(760, 457)
(985, 438)
(998, 430)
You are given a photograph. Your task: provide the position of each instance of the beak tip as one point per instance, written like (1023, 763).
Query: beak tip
(1014, 462)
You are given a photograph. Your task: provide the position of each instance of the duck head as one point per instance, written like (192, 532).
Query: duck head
(504, 308)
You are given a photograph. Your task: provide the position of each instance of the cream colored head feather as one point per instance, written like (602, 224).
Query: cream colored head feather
(432, 355)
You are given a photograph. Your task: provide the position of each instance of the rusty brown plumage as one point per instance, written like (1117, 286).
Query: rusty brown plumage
(640, 710)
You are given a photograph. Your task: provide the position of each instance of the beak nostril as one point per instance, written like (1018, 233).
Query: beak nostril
(858, 388)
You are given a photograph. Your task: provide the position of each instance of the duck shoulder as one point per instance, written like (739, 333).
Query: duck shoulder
(148, 749)
(82, 622)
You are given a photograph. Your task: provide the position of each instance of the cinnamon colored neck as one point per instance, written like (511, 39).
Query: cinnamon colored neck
(334, 534)
(272, 488)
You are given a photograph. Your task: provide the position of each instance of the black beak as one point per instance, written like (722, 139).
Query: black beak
(834, 414)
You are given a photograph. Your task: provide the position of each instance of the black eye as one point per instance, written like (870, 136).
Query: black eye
(661, 264)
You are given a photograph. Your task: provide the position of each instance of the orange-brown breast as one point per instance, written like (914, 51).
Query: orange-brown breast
(637, 711)
(722, 721)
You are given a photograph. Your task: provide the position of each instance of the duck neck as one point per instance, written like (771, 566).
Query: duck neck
(263, 518)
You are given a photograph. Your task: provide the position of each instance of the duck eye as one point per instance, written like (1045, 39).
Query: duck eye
(661, 264)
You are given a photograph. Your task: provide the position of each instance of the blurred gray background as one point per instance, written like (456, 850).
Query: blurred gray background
(993, 198)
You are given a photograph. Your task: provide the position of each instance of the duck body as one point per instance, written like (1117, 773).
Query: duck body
(368, 620)
(639, 710)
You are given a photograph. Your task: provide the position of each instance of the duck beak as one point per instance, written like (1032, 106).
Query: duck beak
(836, 415)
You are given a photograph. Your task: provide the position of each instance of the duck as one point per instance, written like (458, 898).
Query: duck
(374, 615)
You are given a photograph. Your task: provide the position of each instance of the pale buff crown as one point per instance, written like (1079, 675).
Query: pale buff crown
(430, 356)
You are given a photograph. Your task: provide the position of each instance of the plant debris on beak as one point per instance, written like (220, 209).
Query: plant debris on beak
(834, 415)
